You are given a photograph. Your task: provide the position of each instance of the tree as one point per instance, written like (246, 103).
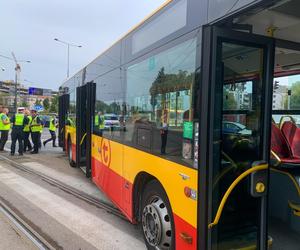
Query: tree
(38, 102)
(46, 104)
(229, 102)
(295, 97)
(54, 104)
(24, 104)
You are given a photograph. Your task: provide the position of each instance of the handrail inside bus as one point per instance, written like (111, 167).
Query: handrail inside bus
(295, 207)
(230, 189)
(82, 139)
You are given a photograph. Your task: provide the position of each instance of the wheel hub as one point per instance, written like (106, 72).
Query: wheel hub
(156, 224)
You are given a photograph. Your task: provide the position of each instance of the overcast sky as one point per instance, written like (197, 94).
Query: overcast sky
(28, 28)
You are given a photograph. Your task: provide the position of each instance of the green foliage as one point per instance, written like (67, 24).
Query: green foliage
(46, 104)
(114, 107)
(229, 102)
(24, 104)
(295, 97)
(54, 104)
(38, 102)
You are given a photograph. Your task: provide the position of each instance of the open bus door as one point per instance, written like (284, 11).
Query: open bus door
(233, 171)
(63, 104)
(84, 110)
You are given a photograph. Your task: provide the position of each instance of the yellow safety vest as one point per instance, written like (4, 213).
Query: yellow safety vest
(52, 127)
(27, 126)
(2, 125)
(38, 128)
(19, 119)
(99, 122)
(70, 121)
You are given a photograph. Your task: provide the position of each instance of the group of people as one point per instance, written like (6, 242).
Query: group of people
(23, 124)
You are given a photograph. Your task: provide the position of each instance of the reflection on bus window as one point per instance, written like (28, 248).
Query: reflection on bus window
(108, 115)
(286, 98)
(71, 115)
(159, 105)
(237, 100)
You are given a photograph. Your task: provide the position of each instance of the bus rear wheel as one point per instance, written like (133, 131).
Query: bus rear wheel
(70, 154)
(156, 218)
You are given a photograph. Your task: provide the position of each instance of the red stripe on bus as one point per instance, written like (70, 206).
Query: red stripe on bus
(184, 228)
(114, 186)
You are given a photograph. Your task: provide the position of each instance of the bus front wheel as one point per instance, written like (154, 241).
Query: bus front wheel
(70, 154)
(156, 218)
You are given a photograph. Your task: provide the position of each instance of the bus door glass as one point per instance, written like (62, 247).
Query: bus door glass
(81, 127)
(240, 110)
(63, 103)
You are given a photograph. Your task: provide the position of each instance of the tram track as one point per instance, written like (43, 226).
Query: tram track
(66, 188)
(24, 228)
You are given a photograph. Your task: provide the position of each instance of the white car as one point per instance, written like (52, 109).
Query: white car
(235, 128)
(111, 121)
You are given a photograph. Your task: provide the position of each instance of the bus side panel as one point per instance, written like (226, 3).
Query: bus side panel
(115, 181)
(107, 163)
(71, 132)
(184, 227)
(169, 174)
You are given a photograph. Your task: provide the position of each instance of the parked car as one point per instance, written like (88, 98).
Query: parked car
(111, 121)
(235, 128)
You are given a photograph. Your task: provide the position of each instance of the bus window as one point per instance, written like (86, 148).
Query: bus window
(286, 98)
(159, 105)
(108, 106)
(71, 116)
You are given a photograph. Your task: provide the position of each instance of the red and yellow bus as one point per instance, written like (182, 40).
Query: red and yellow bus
(174, 124)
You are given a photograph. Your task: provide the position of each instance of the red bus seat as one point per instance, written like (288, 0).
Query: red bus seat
(281, 148)
(292, 135)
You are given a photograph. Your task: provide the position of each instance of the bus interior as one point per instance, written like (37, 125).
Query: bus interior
(242, 68)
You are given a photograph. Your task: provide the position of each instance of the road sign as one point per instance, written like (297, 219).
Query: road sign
(38, 108)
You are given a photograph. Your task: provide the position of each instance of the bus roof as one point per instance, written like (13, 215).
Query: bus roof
(126, 34)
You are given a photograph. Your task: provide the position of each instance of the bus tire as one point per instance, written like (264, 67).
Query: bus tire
(70, 154)
(157, 222)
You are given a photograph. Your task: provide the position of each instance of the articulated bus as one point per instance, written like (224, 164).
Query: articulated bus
(190, 124)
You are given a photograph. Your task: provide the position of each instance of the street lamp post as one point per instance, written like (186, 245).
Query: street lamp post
(68, 52)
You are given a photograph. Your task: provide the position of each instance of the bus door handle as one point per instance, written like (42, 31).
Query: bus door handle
(256, 167)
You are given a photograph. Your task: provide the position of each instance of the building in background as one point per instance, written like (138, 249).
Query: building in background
(27, 96)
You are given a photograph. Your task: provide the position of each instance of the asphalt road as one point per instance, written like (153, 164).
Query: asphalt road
(10, 238)
(45, 136)
(60, 217)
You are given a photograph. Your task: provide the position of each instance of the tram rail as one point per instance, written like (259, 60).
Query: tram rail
(23, 228)
(66, 188)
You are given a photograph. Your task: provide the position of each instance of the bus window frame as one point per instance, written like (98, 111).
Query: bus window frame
(197, 34)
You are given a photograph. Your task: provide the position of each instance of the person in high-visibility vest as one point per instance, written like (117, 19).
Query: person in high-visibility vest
(36, 127)
(99, 124)
(26, 130)
(4, 127)
(19, 121)
(52, 129)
